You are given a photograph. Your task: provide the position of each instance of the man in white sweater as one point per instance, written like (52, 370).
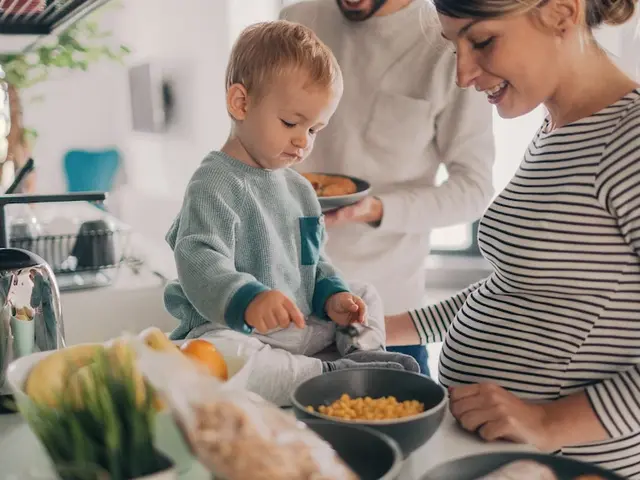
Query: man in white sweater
(400, 117)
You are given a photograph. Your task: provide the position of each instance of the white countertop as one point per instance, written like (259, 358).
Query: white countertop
(22, 457)
(449, 443)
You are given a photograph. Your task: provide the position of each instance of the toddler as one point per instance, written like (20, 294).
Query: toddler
(248, 241)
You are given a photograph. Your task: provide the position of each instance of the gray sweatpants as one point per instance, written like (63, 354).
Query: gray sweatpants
(283, 359)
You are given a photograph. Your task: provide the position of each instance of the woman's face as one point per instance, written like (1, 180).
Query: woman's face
(514, 60)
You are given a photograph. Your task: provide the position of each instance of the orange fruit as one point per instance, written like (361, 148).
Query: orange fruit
(206, 354)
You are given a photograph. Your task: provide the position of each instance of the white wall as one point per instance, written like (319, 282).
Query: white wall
(630, 52)
(91, 109)
(190, 46)
(242, 13)
(79, 109)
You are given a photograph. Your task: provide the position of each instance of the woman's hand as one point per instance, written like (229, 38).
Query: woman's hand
(496, 414)
(367, 210)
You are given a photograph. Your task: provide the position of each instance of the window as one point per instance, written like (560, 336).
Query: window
(512, 137)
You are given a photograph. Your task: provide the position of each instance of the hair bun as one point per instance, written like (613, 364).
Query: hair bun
(610, 12)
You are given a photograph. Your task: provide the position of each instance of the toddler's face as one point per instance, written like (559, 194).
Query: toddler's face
(279, 129)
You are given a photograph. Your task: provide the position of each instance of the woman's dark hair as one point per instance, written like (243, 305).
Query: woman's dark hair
(598, 12)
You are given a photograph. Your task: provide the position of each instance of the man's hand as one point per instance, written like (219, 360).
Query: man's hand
(367, 210)
(344, 308)
(272, 309)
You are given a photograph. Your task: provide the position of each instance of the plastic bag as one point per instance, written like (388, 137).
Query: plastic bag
(234, 433)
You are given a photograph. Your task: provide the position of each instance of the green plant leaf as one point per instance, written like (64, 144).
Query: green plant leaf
(77, 48)
(112, 429)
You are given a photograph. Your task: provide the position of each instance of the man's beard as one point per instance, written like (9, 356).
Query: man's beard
(361, 15)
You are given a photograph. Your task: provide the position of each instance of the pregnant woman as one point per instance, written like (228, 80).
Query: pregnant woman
(546, 350)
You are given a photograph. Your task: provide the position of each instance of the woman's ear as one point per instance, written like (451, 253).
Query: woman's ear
(562, 16)
(571, 14)
(237, 101)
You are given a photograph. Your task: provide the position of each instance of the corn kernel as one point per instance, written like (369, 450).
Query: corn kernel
(367, 408)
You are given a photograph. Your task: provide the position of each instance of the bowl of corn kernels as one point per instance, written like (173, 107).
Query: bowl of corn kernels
(407, 407)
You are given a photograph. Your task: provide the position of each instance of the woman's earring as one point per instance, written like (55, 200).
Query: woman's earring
(560, 33)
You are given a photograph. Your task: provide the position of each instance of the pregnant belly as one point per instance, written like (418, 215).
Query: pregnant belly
(519, 362)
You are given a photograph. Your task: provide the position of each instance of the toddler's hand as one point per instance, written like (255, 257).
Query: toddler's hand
(272, 309)
(344, 308)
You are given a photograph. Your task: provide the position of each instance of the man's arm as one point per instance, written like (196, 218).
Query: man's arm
(465, 144)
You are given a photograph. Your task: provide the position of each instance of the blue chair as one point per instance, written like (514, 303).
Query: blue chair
(91, 170)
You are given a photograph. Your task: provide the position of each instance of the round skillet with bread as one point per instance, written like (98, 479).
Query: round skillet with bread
(337, 191)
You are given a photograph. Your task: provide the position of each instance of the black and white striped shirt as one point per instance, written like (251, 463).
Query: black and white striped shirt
(561, 311)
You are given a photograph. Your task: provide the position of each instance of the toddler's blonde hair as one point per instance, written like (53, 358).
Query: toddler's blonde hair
(266, 50)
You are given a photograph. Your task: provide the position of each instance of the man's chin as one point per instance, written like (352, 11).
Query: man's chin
(355, 15)
(360, 15)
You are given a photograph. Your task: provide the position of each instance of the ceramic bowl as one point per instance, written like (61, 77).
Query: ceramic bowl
(409, 432)
(370, 454)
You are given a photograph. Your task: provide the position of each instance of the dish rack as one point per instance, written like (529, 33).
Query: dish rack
(88, 258)
(87, 250)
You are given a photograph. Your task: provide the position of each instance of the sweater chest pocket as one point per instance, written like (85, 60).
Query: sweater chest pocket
(311, 233)
(400, 124)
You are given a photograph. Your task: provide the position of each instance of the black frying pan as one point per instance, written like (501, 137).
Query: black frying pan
(475, 466)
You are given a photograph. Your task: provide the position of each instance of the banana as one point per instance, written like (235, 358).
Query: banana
(120, 358)
(156, 339)
(70, 368)
(48, 377)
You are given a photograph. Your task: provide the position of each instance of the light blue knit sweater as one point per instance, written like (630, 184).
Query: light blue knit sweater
(241, 231)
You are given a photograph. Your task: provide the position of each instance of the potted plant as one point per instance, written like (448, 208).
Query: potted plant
(102, 425)
(78, 47)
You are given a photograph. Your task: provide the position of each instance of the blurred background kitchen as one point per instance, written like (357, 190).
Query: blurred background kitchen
(146, 122)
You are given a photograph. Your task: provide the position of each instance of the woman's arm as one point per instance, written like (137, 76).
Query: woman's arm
(429, 324)
(616, 400)
(401, 330)
(572, 421)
